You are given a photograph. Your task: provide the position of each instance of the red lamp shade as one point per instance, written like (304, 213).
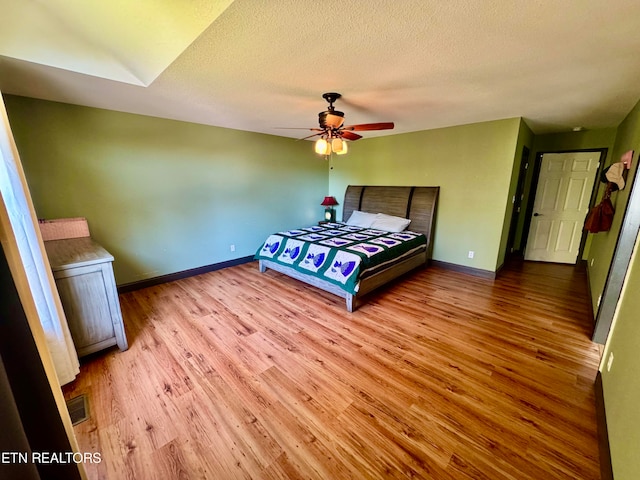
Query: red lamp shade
(329, 202)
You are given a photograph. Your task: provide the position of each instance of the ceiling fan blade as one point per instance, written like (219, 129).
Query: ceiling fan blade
(313, 129)
(311, 136)
(370, 126)
(349, 135)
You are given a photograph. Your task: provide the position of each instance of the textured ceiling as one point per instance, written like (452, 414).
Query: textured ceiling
(258, 65)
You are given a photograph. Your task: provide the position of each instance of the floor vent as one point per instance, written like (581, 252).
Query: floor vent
(78, 409)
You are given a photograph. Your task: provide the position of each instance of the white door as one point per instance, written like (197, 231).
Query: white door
(561, 205)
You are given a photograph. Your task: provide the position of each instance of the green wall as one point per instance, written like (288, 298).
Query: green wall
(622, 384)
(570, 141)
(472, 164)
(164, 196)
(603, 244)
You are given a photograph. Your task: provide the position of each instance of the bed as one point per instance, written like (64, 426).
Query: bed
(326, 255)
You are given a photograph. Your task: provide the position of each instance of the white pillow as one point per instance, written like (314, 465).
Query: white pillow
(389, 223)
(361, 219)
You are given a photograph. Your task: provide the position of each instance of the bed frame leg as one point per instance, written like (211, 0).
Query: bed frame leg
(261, 267)
(351, 302)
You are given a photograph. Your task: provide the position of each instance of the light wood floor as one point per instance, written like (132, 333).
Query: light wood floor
(236, 374)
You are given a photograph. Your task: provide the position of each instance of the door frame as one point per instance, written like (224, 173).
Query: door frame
(518, 201)
(537, 165)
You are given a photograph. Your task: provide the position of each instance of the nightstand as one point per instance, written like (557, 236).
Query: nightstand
(84, 277)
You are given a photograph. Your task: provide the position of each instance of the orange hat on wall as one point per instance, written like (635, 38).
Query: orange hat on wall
(614, 174)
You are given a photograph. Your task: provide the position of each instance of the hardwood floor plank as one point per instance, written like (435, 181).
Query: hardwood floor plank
(88, 430)
(237, 374)
(303, 448)
(243, 426)
(379, 451)
(171, 460)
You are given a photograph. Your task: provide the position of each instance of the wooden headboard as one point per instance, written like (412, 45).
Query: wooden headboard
(416, 203)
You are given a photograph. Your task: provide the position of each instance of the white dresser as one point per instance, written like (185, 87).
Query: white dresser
(84, 277)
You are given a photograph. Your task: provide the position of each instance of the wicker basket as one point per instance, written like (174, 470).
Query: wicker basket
(61, 228)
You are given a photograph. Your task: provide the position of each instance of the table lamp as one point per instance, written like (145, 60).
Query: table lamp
(329, 211)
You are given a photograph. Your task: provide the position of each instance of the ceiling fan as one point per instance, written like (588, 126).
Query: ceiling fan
(332, 131)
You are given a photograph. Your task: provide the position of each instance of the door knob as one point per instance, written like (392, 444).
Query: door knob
(537, 214)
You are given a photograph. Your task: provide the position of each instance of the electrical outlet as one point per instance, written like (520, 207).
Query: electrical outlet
(232, 247)
(610, 362)
(471, 253)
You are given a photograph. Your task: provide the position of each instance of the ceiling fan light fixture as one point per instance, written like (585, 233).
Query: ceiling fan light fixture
(334, 119)
(322, 147)
(339, 146)
(331, 119)
(333, 134)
